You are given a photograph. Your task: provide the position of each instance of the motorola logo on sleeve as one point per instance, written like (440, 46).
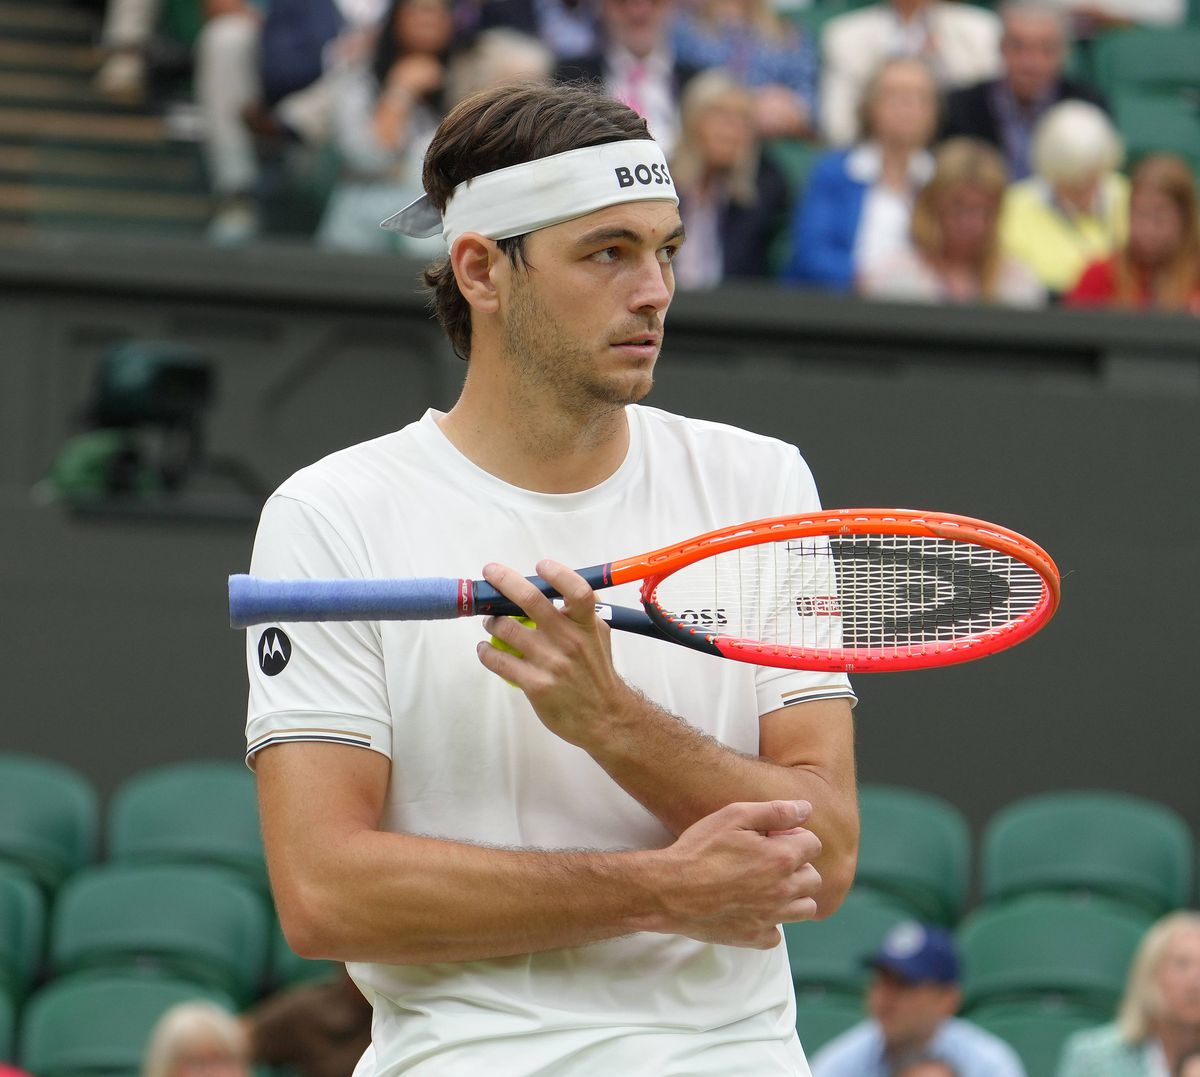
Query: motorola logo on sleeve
(274, 650)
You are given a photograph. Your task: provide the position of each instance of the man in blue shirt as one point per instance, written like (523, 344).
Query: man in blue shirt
(912, 998)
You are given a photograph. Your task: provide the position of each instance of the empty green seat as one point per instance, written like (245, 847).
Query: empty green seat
(915, 848)
(819, 1018)
(1037, 1033)
(99, 1024)
(202, 811)
(197, 923)
(48, 817)
(8, 1026)
(1125, 847)
(22, 931)
(1076, 950)
(1158, 123)
(1159, 59)
(829, 954)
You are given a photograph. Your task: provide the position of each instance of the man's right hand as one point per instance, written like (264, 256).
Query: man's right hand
(732, 876)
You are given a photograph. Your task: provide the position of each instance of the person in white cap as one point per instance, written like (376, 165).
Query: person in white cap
(570, 860)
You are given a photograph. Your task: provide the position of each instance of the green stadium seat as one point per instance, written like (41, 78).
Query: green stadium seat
(1158, 59)
(8, 1026)
(915, 848)
(49, 818)
(828, 955)
(1128, 848)
(195, 812)
(99, 1025)
(198, 923)
(1049, 947)
(1037, 1033)
(22, 931)
(1158, 123)
(820, 1018)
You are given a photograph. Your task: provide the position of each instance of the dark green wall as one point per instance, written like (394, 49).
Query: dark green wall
(1081, 430)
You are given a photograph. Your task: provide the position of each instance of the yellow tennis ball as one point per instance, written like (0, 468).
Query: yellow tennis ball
(508, 648)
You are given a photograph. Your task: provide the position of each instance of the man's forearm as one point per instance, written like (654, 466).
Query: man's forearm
(681, 774)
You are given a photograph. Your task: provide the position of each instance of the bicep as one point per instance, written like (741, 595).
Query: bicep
(817, 734)
(313, 798)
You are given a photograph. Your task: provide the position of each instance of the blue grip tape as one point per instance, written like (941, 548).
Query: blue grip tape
(255, 601)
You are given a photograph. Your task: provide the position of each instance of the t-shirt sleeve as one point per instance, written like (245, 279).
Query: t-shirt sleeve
(783, 687)
(312, 681)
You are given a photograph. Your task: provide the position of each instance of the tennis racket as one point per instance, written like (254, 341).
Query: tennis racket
(849, 590)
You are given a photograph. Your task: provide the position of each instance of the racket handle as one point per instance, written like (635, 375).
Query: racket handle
(256, 601)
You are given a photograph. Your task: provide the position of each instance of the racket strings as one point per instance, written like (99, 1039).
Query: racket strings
(878, 592)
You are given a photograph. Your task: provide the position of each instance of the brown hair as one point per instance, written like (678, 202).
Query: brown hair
(961, 162)
(1170, 176)
(496, 129)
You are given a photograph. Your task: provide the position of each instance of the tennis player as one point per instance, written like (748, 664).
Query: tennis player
(570, 859)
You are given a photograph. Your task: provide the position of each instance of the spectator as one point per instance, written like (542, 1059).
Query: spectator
(1004, 111)
(928, 1066)
(269, 69)
(1159, 268)
(312, 1030)
(569, 28)
(1158, 1021)
(912, 999)
(385, 115)
(637, 65)
(956, 256)
(1075, 208)
(731, 198)
(959, 42)
(1189, 1065)
(1091, 16)
(750, 41)
(858, 204)
(128, 25)
(196, 1036)
(497, 58)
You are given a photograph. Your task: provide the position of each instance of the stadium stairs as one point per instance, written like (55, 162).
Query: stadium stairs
(71, 159)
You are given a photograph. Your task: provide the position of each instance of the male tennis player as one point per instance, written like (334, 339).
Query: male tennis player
(571, 862)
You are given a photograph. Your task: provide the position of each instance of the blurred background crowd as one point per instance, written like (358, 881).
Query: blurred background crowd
(1020, 152)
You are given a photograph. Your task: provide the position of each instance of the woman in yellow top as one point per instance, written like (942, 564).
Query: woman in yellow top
(1074, 209)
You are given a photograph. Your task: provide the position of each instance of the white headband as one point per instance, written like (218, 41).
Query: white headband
(550, 190)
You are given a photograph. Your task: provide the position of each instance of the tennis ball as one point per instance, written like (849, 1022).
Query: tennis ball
(508, 648)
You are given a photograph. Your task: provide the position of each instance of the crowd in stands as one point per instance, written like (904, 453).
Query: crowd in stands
(948, 150)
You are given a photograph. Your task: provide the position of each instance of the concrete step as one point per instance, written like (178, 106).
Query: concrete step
(47, 22)
(37, 125)
(178, 172)
(50, 58)
(23, 202)
(39, 90)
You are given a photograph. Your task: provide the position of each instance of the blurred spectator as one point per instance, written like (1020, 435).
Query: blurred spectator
(856, 210)
(1004, 111)
(763, 52)
(1091, 16)
(959, 42)
(912, 998)
(269, 75)
(1075, 208)
(956, 256)
(496, 58)
(1189, 1065)
(731, 198)
(128, 25)
(1159, 1017)
(569, 28)
(637, 65)
(312, 1030)
(1159, 268)
(385, 113)
(926, 1067)
(195, 1037)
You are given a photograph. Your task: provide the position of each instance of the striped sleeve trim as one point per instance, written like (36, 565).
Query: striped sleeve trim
(841, 691)
(328, 736)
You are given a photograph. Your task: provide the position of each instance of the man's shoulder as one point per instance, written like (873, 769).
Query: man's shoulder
(853, 1053)
(363, 464)
(985, 1048)
(1096, 1045)
(965, 17)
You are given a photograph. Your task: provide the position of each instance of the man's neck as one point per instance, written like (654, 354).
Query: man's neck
(530, 440)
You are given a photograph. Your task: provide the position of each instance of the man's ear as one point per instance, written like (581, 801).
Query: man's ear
(474, 260)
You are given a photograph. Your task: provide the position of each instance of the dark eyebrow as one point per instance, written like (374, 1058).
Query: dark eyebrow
(607, 235)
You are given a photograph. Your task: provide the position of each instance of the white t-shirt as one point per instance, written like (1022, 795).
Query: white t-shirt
(471, 761)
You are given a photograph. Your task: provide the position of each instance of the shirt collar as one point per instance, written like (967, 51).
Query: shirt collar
(865, 164)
